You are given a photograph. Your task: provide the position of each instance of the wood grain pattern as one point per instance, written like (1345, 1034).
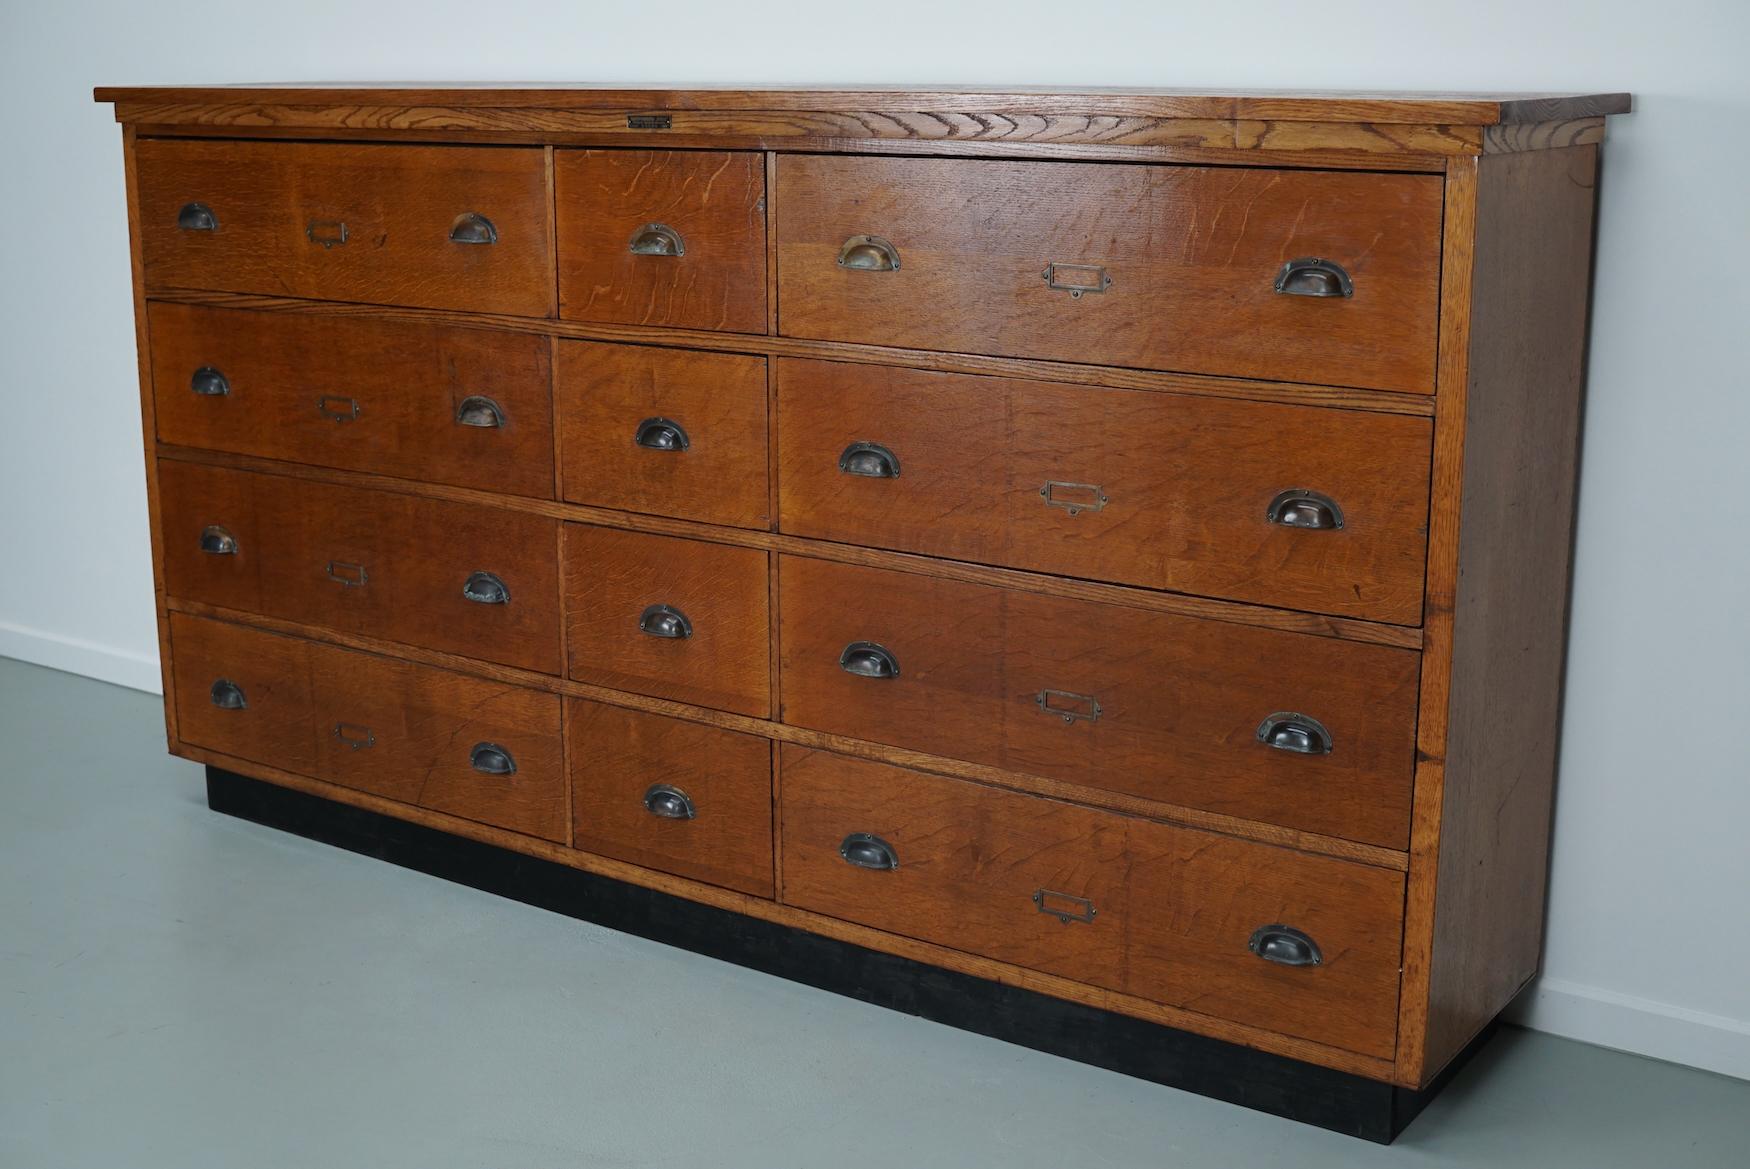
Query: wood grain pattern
(1174, 491)
(718, 400)
(613, 577)
(276, 201)
(715, 202)
(1191, 287)
(374, 724)
(404, 383)
(1179, 701)
(390, 564)
(618, 754)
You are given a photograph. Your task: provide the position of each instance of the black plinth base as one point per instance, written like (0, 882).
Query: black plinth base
(1270, 1083)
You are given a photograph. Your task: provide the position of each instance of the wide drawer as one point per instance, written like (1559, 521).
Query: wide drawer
(1170, 491)
(434, 739)
(657, 237)
(1304, 945)
(1307, 732)
(675, 796)
(1156, 267)
(671, 432)
(457, 577)
(450, 227)
(669, 617)
(469, 407)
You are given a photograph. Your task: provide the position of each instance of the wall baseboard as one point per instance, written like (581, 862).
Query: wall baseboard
(74, 655)
(1607, 1018)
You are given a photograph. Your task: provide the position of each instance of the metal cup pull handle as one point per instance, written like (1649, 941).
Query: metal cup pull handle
(1296, 733)
(1311, 276)
(668, 802)
(868, 852)
(869, 253)
(209, 383)
(227, 695)
(1285, 946)
(665, 621)
(868, 660)
(479, 411)
(871, 460)
(197, 217)
(1301, 508)
(217, 541)
(662, 434)
(471, 227)
(657, 239)
(491, 759)
(485, 588)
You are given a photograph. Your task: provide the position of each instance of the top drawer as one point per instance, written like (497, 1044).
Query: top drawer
(443, 227)
(1154, 267)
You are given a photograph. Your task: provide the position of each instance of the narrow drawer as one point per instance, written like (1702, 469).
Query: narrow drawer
(658, 237)
(675, 796)
(450, 227)
(446, 742)
(470, 407)
(1157, 267)
(1169, 914)
(1169, 491)
(669, 617)
(665, 431)
(457, 577)
(1307, 732)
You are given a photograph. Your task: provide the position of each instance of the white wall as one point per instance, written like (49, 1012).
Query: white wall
(1647, 948)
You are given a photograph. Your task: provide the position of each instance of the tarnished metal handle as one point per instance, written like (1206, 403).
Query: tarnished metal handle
(209, 383)
(217, 541)
(868, 660)
(1285, 946)
(1287, 731)
(485, 588)
(227, 695)
(665, 621)
(471, 227)
(1305, 509)
(662, 434)
(480, 411)
(336, 408)
(330, 233)
(669, 802)
(868, 852)
(355, 736)
(869, 253)
(657, 239)
(197, 217)
(491, 759)
(1311, 276)
(870, 460)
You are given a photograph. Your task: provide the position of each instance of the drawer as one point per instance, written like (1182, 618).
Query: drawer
(665, 431)
(449, 227)
(1156, 705)
(675, 796)
(461, 578)
(1168, 914)
(484, 751)
(669, 617)
(1167, 491)
(658, 237)
(469, 407)
(1156, 267)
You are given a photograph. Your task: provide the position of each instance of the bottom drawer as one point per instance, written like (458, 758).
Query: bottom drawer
(447, 742)
(676, 796)
(1294, 943)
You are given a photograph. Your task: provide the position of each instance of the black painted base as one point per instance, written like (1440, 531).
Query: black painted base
(1270, 1083)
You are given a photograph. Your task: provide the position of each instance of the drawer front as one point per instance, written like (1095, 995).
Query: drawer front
(669, 617)
(1168, 491)
(456, 577)
(665, 431)
(656, 237)
(468, 407)
(1155, 705)
(675, 796)
(447, 742)
(1168, 914)
(449, 227)
(1156, 267)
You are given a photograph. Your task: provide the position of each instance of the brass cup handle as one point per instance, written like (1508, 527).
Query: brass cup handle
(661, 434)
(480, 412)
(1311, 276)
(491, 759)
(869, 253)
(657, 239)
(1301, 508)
(217, 541)
(471, 227)
(1285, 946)
(668, 802)
(1297, 734)
(209, 383)
(227, 695)
(196, 217)
(867, 851)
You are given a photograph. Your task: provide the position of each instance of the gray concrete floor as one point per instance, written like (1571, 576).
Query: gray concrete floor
(179, 988)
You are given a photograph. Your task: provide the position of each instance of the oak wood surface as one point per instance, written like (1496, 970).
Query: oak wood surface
(613, 577)
(365, 561)
(714, 201)
(1179, 702)
(617, 755)
(398, 730)
(356, 393)
(718, 400)
(1191, 280)
(1154, 490)
(277, 202)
